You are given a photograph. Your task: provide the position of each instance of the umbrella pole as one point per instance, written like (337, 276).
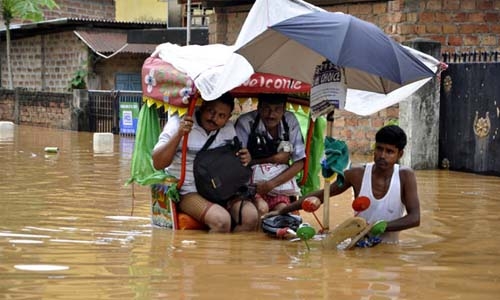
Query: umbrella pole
(188, 23)
(326, 190)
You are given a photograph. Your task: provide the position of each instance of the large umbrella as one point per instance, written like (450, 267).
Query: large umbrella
(365, 96)
(371, 60)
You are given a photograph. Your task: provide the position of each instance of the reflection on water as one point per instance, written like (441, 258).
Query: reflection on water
(70, 229)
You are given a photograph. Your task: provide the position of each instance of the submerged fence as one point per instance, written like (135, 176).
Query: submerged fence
(116, 111)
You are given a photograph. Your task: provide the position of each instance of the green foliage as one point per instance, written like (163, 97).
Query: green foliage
(26, 9)
(392, 122)
(31, 10)
(78, 80)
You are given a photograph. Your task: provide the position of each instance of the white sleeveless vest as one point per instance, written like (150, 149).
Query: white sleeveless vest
(388, 208)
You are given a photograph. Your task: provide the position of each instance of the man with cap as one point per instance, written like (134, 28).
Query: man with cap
(273, 137)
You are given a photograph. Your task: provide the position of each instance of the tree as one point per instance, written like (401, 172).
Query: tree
(30, 10)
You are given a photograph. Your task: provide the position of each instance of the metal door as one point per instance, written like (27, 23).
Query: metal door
(469, 117)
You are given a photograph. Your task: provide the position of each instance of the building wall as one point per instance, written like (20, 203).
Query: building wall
(7, 105)
(120, 63)
(226, 23)
(91, 9)
(42, 109)
(63, 54)
(45, 63)
(88, 9)
(141, 10)
(48, 62)
(459, 25)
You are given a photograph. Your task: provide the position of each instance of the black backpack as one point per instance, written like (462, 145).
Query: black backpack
(218, 172)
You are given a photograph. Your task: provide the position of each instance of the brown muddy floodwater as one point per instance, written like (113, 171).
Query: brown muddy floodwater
(70, 229)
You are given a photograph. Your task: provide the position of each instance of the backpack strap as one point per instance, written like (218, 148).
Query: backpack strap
(286, 134)
(209, 141)
(255, 123)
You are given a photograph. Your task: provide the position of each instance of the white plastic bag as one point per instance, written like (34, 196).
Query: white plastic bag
(266, 172)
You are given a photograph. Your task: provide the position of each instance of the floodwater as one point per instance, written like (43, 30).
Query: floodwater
(70, 229)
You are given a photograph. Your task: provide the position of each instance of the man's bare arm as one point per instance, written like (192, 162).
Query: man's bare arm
(411, 201)
(335, 189)
(265, 187)
(281, 157)
(164, 155)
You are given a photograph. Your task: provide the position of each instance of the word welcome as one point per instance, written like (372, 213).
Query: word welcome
(273, 82)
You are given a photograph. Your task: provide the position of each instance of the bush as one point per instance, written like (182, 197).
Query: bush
(78, 80)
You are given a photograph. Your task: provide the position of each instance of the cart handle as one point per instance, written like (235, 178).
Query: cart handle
(192, 104)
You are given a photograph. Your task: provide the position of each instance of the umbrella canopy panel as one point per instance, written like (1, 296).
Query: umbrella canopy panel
(372, 61)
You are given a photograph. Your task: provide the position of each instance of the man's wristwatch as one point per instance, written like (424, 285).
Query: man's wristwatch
(285, 146)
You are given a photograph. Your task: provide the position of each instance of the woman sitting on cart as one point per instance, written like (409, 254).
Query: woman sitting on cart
(273, 137)
(212, 118)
